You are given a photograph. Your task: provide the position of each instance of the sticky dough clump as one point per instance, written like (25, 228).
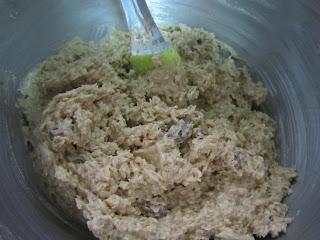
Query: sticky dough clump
(178, 153)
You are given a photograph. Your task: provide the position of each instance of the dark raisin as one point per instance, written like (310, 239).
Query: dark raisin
(126, 67)
(215, 173)
(30, 146)
(76, 56)
(25, 120)
(234, 101)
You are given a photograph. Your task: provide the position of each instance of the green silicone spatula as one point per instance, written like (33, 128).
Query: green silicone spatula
(146, 39)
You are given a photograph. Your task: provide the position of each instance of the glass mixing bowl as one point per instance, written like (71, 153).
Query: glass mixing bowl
(279, 39)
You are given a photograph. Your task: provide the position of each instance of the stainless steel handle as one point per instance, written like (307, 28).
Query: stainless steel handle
(145, 35)
(137, 14)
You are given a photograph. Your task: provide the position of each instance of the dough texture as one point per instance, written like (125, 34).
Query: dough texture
(178, 153)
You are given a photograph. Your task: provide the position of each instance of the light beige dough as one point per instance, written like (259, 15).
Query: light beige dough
(175, 154)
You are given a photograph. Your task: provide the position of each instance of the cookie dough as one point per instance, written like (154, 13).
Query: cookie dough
(179, 153)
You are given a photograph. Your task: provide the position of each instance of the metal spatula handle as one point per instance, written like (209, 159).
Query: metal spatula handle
(145, 35)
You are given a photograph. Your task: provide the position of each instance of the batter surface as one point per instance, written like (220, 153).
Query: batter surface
(177, 153)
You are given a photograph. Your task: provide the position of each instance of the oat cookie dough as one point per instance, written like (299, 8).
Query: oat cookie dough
(177, 153)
